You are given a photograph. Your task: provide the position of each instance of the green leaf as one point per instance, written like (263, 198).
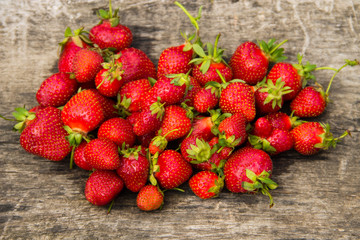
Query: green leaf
(68, 32)
(104, 14)
(198, 50)
(251, 175)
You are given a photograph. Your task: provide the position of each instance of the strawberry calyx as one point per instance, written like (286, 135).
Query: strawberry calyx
(304, 71)
(129, 152)
(154, 167)
(123, 105)
(261, 143)
(158, 109)
(179, 79)
(275, 91)
(75, 137)
(114, 70)
(110, 16)
(200, 152)
(159, 142)
(22, 116)
(295, 121)
(219, 185)
(216, 118)
(78, 37)
(328, 139)
(261, 183)
(272, 51)
(189, 110)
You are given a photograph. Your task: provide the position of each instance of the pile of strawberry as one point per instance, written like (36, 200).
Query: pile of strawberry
(194, 118)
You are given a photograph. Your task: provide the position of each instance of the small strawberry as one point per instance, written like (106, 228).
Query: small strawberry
(118, 130)
(249, 170)
(262, 127)
(170, 89)
(175, 117)
(206, 99)
(283, 121)
(79, 158)
(311, 137)
(277, 142)
(206, 184)
(109, 33)
(159, 142)
(171, 169)
(56, 90)
(134, 168)
(130, 94)
(238, 97)
(102, 187)
(250, 62)
(232, 130)
(70, 46)
(102, 154)
(149, 120)
(150, 198)
(86, 64)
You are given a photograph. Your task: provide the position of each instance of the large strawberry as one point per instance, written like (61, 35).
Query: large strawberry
(102, 154)
(206, 184)
(56, 90)
(176, 121)
(150, 198)
(102, 187)
(249, 170)
(250, 62)
(70, 46)
(86, 64)
(134, 168)
(109, 33)
(311, 137)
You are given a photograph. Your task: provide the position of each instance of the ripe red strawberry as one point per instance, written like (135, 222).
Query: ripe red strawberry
(149, 120)
(262, 127)
(133, 169)
(277, 142)
(109, 33)
(56, 90)
(107, 104)
(173, 170)
(79, 158)
(175, 118)
(70, 46)
(43, 134)
(283, 121)
(130, 94)
(206, 184)
(206, 99)
(102, 154)
(193, 89)
(169, 90)
(238, 97)
(311, 137)
(309, 102)
(102, 187)
(249, 170)
(186, 145)
(136, 65)
(233, 130)
(118, 130)
(150, 198)
(86, 65)
(250, 62)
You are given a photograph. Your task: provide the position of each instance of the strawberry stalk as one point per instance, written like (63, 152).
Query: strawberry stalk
(22, 116)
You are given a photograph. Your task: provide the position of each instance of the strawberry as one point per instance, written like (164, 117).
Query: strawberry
(109, 33)
(175, 118)
(206, 66)
(206, 99)
(170, 90)
(283, 121)
(42, 133)
(276, 142)
(250, 62)
(249, 170)
(232, 130)
(136, 65)
(134, 168)
(70, 46)
(172, 169)
(130, 94)
(118, 130)
(86, 64)
(186, 144)
(311, 137)
(262, 127)
(206, 184)
(238, 97)
(79, 158)
(108, 80)
(107, 104)
(102, 154)
(102, 187)
(56, 90)
(150, 198)
(193, 88)
(159, 142)
(149, 120)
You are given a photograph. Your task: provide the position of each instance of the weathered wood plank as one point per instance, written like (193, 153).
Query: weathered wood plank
(318, 197)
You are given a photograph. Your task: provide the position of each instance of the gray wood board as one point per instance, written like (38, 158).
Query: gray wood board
(318, 196)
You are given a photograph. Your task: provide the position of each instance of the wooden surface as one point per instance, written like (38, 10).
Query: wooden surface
(318, 197)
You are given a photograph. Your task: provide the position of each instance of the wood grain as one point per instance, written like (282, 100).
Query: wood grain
(318, 197)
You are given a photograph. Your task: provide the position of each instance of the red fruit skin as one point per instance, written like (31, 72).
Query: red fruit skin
(175, 118)
(204, 100)
(106, 36)
(262, 127)
(174, 170)
(169, 93)
(107, 105)
(308, 103)
(56, 90)
(67, 56)
(86, 65)
(146, 123)
(263, 108)
(83, 112)
(202, 182)
(306, 136)
(136, 65)
(279, 120)
(211, 75)
(255, 160)
(249, 63)
(105, 87)
(202, 128)
(234, 125)
(281, 140)
(45, 136)
(207, 166)
(102, 187)
(289, 75)
(134, 90)
(102, 154)
(174, 60)
(79, 158)
(118, 130)
(134, 172)
(238, 97)
(192, 91)
(149, 198)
